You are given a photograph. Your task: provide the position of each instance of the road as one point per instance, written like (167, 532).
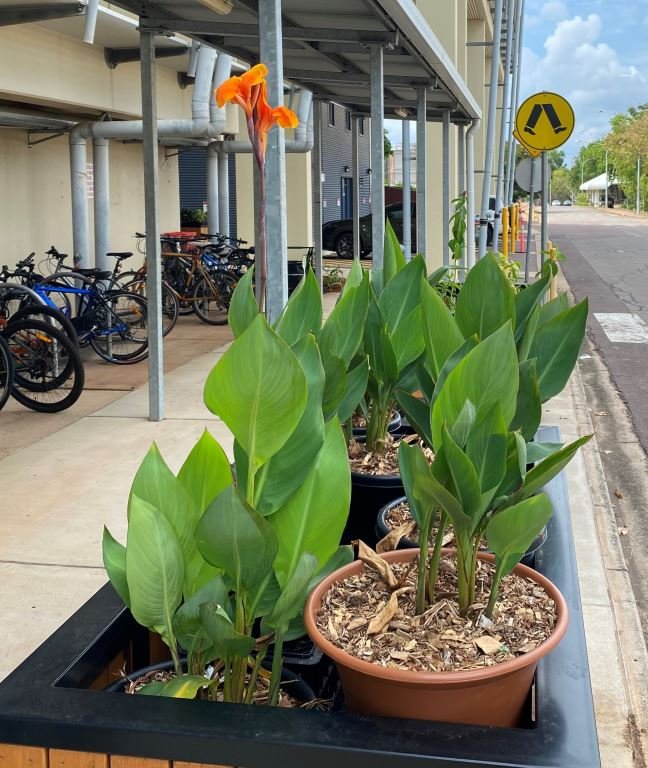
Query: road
(607, 260)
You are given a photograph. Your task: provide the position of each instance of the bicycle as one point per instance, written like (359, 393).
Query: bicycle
(6, 372)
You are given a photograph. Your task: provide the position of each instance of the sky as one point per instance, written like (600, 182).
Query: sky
(592, 52)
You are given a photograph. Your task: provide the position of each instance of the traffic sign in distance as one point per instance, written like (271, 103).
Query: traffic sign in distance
(544, 121)
(523, 176)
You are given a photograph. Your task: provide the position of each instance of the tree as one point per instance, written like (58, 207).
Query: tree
(561, 184)
(556, 159)
(388, 149)
(588, 163)
(626, 143)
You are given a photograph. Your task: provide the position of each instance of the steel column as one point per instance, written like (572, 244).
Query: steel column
(271, 54)
(213, 198)
(490, 130)
(377, 156)
(223, 194)
(407, 190)
(101, 163)
(421, 155)
(503, 123)
(461, 158)
(79, 191)
(534, 163)
(515, 95)
(355, 170)
(470, 193)
(445, 195)
(316, 160)
(151, 217)
(545, 192)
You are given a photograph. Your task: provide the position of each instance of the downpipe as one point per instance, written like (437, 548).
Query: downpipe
(470, 192)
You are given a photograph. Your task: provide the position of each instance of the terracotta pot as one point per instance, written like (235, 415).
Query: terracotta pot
(489, 696)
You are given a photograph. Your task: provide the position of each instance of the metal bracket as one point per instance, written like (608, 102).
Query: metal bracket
(184, 80)
(31, 143)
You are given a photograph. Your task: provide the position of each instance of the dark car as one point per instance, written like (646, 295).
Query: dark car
(338, 235)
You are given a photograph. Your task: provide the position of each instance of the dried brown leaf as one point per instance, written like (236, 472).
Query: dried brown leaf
(488, 644)
(618, 493)
(376, 563)
(391, 541)
(386, 614)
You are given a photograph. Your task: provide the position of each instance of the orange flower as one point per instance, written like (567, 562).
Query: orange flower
(265, 117)
(241, 88)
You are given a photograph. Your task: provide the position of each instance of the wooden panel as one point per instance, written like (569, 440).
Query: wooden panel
(63, 758)
(158, 650)
(176, 764)
(22, 757)
(137, 762)
(110, 674)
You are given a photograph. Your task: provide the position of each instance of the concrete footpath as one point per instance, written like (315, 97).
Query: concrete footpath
(59, 489)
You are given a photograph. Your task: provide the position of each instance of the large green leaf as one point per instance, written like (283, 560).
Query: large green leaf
(383, 365)
(539, 451)
(286, 470)
(527, 300)
(440, 331)
(188, 627)
(342, 331)
(342, 556)
(548, 468)
(258, 389)
(226, 641)
(434, 278)
(303, 312)
(556, 345)
(154, 568)
(464, 478)
(184, 687)
(528, 334)
(417, 412)
(243, 307)
(335, 384)
(157, 485)
(114, 560)
(554, 307)
(511, 531)
(407, 340)
(294, 592)
(206, 472)
(356, 386)
(486, 447)
(415, 473)
(354, 276)
(451, 363)
(486, 300)
(402, 294)
(528, 411)
(233, 536)
(487, 375)
(313, 519)
(393, 256)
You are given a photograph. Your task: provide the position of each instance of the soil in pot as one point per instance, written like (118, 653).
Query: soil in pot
(395, 524)
(359, 424)
(438, 666)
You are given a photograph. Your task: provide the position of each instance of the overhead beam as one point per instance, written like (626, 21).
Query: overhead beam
(355, 78)
(27, 14)
(115, 56)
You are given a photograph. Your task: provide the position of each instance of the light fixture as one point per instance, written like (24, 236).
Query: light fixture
(346, 169)
(369, 171)
(218, 6)
(401, 112)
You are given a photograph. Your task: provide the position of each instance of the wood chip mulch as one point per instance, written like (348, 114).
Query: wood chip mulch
(377, 623)
(398, 518)
(386, 463)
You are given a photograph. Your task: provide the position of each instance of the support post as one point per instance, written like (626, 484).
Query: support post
(355, 172)
(490, 131)
(544, 216)
(515, 95)
(505, 232)
(316, 159)
(470, 193)
(445, 195)
(534, 163)
(79, 191)
(638, 182)
(461, 158)
(223, 194)
(407, 190)
(271, 53)
(377, 156)
(151, 217)
(213, 199)
(101, 163)
(421, 124)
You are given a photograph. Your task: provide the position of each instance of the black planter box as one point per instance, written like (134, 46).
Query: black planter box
(46, 702)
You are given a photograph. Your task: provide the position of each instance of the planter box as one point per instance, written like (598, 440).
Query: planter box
(50, 703)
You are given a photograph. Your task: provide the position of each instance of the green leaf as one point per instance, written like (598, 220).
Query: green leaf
(512, 481)
(402, 294)
(417, 412)
(354, 276)
(226, 641)
(393, 256)
(440, 331)
(548, 468)
(152, 689)
(434, 278)
(526, 301)
(528, 411)
(407, 340)
(531, 325)
(114, 560)
(486, 447)
(206, 472)
(258, 389)
(185, 687)
(313, 519)
(286, 470)
(552, 308)
(186, 622)
(294, 592)
(416, 475)
(243, 307)
(356, 386)
(233, 536)
(486, 300)
(464, 478)
(303, 312)
(154, 569)
(556, 346)
(487, 375)
(539, 451)
(451, 363)
(511, 531)
(464, 424)
(335, 383)
(342, 332)
(342, 556)
(378, 346)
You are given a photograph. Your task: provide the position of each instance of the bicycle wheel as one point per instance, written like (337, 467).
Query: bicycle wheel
(6, 372)
(170, 305)
(121, 332)
(212, 297)
(48, 371)
(176, 275)
(50, 316)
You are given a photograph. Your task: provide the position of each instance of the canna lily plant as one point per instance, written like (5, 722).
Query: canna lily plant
(249, 91)
(218, 563)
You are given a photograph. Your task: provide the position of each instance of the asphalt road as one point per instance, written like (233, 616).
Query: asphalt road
(607, 260)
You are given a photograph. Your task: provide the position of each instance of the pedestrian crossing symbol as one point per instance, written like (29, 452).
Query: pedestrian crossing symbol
(544, 121)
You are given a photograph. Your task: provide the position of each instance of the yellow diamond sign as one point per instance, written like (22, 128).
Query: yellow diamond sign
(544, 121)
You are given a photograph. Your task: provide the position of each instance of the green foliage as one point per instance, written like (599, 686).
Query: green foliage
(458, 222)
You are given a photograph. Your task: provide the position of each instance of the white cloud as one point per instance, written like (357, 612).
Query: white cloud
(554, 10)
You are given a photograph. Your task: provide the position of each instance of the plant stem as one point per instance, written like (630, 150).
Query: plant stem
(377, 421)
(262, 234)
(433, 570)
(494, 593)
(422, 568)
(277, 661)
(464, 559)
(261, 654)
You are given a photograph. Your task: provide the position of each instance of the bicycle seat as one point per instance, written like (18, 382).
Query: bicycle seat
(120, 254)
(99, 274)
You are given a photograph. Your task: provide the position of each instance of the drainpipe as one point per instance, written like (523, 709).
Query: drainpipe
(213, 217)
(217, 115)
(101, 163)
(470, 192)
(222, 161)
(78, 178)
(92, 10)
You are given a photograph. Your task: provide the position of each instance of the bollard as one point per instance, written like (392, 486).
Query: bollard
(505, 221)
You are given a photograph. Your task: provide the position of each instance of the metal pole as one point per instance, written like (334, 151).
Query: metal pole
(544, 218)
(470, 192)
(377, 155)
(101, 162)
(151, 216)
(461, 158)
(421, 153)
(316, 159)
(79, 191)
(638, 180)
(213, 199)
(271, 53)
(515, 95)
(606, 179)
(445, 194)
(407, 190)
(355, 170)
(503, 124)
(530, 220)
(490, 130)
(223, 194)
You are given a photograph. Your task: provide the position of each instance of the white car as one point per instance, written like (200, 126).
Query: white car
(556, 202)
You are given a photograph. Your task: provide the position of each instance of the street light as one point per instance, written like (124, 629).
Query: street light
(606, 167)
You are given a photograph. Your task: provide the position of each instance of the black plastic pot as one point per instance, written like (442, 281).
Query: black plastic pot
(393, 427)
(369, 494)
(382, 529)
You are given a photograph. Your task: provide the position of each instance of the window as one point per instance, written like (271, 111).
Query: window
(331, 115)
(361, 126)
(347, 119)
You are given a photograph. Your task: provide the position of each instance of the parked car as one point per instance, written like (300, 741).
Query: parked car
(610, 202)
(567, 202)
(556, 202)
(338, 235)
